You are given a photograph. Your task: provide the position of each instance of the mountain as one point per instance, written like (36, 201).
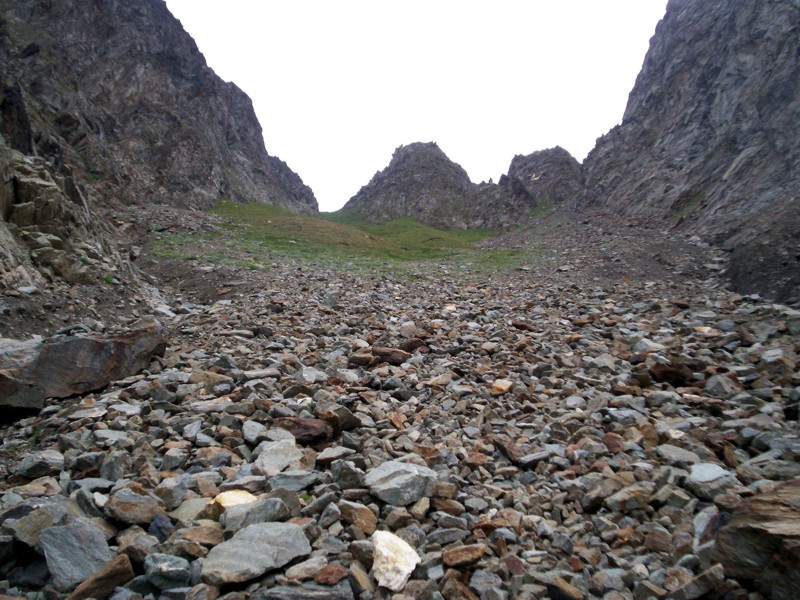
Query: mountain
(420, 182)
(709, 138)
(117, 94)
(423, 183)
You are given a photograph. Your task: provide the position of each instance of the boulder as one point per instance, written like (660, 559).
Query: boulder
(60, 366)
(761, 542)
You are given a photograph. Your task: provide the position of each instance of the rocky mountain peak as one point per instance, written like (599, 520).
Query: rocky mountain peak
(119, 94)
(420, 180)
(423, 183)
(550, 177)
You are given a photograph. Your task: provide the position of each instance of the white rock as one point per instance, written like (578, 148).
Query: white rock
(394, 560)
(707, 472)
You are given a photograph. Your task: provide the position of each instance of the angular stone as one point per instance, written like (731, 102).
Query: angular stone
(133, 506)
(463, 555)
(307, 569)
(674, 455)
(399, 484)
(167, 572)
(100, 584)
(40, 464)
(62, 366)
(74, 552)
(253, 551)
(633, 497)
(707, 581)
(706, 480)
(308, 591)
(394, 560)
(394, 356)
(274, 457)
(761, 542)
(501, 386)
(331, 574)
(359, 515)
(306, 431)
(262, 510)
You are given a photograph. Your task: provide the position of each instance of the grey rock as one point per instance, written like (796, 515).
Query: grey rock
(309, 591)
(274, 457)
(262, 510)
(166, 571)
(41, 464)
(253, 551)
(74, 552)
(399, 484)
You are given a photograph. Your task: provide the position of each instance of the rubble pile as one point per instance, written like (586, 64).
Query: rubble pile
(317, 435)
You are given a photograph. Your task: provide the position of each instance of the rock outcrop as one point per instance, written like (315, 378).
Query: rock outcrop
(48, 229)
(549, 177)
(708, 141)
(423, 183)
(117, 95)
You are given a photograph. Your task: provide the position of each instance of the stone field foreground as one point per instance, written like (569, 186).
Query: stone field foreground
(316, 435)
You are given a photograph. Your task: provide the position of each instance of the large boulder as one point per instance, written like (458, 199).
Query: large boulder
(761, 542)
(60, 366)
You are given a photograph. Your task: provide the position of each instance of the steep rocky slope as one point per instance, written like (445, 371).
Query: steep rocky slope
(118, 95)
(708, 141)
(423, 183)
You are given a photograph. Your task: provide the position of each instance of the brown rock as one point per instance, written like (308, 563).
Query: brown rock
(61, 366)
(114, 573)
(463, 555)
(306, 431)
(561, 589)
(761, 542)
(614, 442)
(501, 386)
(359, 515)
(394, 356)
(675, 373)
(331, 574)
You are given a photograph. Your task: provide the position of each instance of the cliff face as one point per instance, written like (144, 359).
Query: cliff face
(118, 94)
(709, 139)
(423, 183)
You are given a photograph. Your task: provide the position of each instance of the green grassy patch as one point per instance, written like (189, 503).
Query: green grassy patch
(539, 210)
(251, 235)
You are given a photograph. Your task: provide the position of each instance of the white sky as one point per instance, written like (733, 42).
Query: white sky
(337, 86)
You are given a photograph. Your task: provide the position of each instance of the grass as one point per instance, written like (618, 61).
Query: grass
(539, 210)
(252, 235)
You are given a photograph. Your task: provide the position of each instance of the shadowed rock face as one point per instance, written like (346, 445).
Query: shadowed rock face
(118, 94)
(708, 141)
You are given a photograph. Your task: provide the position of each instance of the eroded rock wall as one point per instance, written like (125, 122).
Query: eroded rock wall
(708, 141)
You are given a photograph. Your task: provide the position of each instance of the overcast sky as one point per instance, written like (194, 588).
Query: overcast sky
(337, 86)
